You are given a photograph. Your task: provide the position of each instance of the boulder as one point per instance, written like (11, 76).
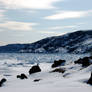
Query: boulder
(59, 70)
(84, 61)
(2, 82)
(90, 80)
(22, 76)
(37, 80)
(34, 69)
(58, 63)
(18, 76)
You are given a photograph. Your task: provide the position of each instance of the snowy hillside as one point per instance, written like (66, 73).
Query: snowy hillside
(75, 42)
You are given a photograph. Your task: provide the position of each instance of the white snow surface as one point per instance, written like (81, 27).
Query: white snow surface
(74, 79)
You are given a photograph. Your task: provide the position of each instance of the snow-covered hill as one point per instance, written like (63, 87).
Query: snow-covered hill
(75, 42)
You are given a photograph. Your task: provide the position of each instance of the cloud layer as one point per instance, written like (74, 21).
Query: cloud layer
(68, 15)
(2, 15)
(33, 4)
(13, 25)
(62, 27)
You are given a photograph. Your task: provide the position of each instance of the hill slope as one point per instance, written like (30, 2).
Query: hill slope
(75, 42)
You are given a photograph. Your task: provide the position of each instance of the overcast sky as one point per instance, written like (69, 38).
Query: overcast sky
(26, 21)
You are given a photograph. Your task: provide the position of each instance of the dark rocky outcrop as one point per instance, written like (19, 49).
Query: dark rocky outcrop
(34, 69)
(18, 76)
(59, 70)
(84, 61)
(90, 80)
(37, 80)
(22, 76)
(2, 82)
(58, 63)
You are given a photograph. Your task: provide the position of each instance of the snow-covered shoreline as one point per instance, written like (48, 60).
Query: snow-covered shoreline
(55, 82)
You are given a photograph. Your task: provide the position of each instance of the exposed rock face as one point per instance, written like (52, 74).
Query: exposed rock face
(22, 76)
(2, 82)
(34, 69)
(90, 80)
(58, 63)
(84, 61)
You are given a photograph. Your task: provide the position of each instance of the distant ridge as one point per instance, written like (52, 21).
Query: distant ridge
(75, 42)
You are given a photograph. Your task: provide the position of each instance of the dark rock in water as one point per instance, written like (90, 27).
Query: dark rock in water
(22, 76)
(34, 69)
(37, 80)
(90, 80)
(2, 82)
(58, 63)
(84, 61)
(60, 70)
